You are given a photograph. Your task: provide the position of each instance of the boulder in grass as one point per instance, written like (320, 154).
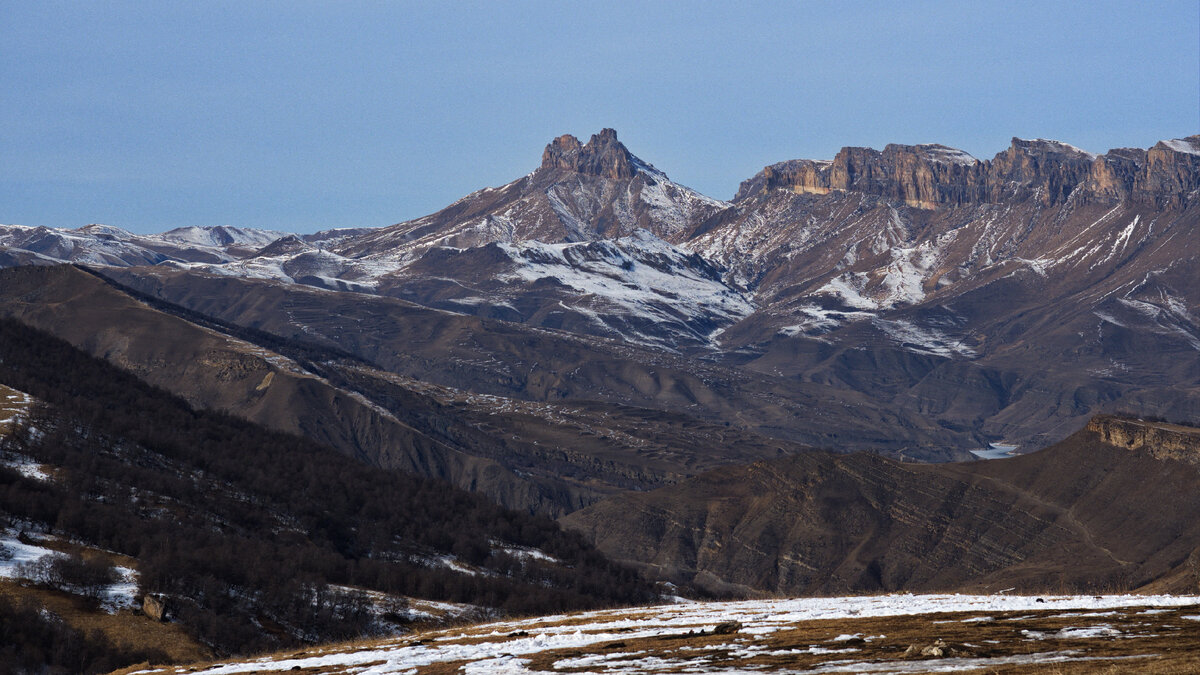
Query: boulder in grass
(155, 608)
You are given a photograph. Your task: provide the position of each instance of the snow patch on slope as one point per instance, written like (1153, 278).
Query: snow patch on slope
(640, 276)
(814, 319)
(1062, 147)
(948, 155)
(900, 282)
(1184, 145)
(923, 338)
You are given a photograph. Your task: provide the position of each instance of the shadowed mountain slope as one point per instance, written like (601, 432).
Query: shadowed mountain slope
(1084, 514)
(258, 540)
(534, 419)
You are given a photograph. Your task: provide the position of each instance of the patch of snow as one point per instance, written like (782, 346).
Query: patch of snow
(221, 236)
(1101, 631)
(1184, 145)
(330, 269)
(25, 466)
(529, 554)
(923, 339)
(474, 301)
(639, 276)
(1038, 265)
(674, 206)
(489, 649)
(849, 289)
(14, 553)
(1062, 147)
(948, 155)
(900, 282)
(449, 562)
(815, 319)
(124, 593)
(951, 665)
(1123, 238)
(1104, 316)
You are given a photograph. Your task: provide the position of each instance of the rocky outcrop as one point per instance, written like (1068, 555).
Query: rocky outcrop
(603, 156)
(922, 176)
(1052, 172)
(1046, 170)
(1172, 172)
(1161, 440)
(154, 607)
(1113, 175)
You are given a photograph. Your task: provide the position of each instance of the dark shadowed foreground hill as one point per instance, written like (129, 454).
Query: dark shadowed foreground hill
(1113, 507)
(258, 539)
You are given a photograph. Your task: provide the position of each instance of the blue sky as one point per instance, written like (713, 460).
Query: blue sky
(308, 115)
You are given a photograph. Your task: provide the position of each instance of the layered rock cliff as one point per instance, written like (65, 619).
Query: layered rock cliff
(929, 176)
(1160, 439)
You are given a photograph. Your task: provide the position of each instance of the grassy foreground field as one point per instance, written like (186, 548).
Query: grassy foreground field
(877, 634)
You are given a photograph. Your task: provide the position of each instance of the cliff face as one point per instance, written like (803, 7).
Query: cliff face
(1162, 441)
(928, 176)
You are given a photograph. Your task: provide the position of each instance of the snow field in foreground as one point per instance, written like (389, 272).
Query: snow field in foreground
(497, 647)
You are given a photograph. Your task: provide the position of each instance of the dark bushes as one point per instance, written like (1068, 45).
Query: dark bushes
(71, 573)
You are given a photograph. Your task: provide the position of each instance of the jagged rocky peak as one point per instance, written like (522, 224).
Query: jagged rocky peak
(603, 155)
(930, 176)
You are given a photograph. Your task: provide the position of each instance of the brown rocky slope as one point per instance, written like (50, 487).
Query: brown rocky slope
(1082, 515)
(433, 393)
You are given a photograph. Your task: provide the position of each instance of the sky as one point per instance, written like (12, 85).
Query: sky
(302, 116)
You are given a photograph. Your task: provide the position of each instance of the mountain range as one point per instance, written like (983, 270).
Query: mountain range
(788, 392)
(954, 301)
(914, 301)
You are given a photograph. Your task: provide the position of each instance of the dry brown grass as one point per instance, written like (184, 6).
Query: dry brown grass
(9, 406)
(123, 628)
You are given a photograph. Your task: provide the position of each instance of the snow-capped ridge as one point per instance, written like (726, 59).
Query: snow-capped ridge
(1052, 145)
(1188, 146)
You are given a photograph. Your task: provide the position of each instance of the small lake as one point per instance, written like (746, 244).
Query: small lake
(996, 451)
